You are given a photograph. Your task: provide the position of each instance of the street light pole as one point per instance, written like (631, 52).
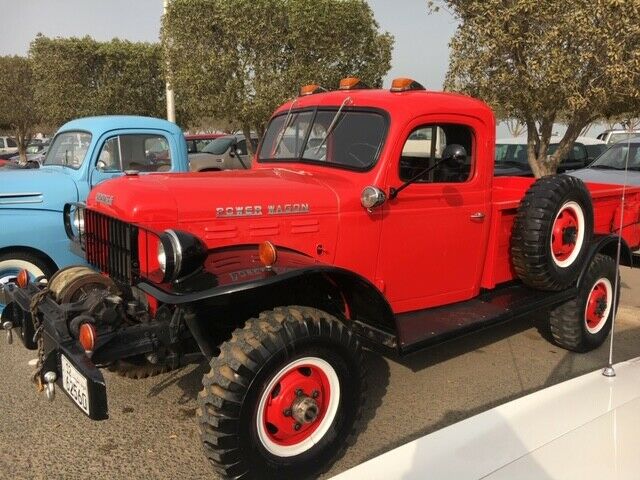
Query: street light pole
(171, 103)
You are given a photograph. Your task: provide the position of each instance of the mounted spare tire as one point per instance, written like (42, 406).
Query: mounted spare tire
(552, 232)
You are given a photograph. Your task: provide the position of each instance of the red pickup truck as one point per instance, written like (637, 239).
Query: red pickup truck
(369, 217)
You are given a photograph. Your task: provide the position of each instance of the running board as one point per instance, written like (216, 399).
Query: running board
(423, 328)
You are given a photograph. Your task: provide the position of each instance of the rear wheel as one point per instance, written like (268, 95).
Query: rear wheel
(584, 323)
(283, 395)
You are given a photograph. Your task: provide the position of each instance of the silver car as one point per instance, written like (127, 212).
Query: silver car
(610, 166)
(223, 153)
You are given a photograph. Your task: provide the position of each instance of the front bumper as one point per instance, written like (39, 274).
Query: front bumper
(57, 342)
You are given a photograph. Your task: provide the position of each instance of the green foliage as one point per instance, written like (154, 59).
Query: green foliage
(573, 61)
(239, 59)
(79, 77)
(17, 100)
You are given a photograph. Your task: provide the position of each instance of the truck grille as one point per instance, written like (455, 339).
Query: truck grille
(112, 246)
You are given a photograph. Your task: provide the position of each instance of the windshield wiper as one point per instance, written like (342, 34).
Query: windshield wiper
(332, 125)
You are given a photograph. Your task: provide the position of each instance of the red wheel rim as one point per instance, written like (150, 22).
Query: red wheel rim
(564, 234)
(597, 306)
(296, 404)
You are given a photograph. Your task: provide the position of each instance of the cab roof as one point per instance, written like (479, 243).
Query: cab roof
(100, 124)
(411, 102)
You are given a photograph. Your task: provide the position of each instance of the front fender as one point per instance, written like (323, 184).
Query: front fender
(41, 230)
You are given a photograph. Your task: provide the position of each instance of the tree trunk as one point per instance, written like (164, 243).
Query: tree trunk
(246, 130)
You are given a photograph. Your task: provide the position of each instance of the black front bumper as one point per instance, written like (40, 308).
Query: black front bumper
(56, 342)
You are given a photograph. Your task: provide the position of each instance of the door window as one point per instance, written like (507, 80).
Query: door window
(11, 143)
(1, 142)
(141, 152)
(427, 154)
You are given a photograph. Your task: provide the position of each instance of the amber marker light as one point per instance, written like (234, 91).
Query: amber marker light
(23, 278)
(310, 90)
(268, 254)
(405, 85)
(87, 336)
(351, 83)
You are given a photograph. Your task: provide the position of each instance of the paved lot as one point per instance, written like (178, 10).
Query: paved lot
(152, 433)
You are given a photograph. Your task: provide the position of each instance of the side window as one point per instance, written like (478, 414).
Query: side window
(428, 148)
(242, 146)
(1, 142)
(578, 153)
(11, 143)
(141, 152)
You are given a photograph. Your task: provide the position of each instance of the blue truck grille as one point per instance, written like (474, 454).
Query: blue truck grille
(112, 246)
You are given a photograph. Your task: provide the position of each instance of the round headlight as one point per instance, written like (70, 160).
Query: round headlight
(162, 257)
(372, 197)
(179, 254)
(78, 220)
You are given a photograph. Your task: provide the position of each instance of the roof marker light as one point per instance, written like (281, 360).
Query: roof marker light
(352, 83)
(405, 84)
(310, 90)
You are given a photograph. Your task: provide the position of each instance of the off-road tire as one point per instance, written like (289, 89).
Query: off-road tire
(240, 376)
(533, 240)
(138, 368)
(568, 322)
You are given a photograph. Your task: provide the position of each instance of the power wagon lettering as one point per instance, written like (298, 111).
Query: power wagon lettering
(257, 210)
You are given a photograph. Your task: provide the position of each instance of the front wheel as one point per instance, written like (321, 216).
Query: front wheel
(12, 263)
(584, 323)
(283, 396)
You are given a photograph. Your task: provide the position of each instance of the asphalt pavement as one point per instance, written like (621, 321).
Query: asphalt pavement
(152, 433)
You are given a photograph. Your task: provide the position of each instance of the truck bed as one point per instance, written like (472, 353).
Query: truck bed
(506, 195)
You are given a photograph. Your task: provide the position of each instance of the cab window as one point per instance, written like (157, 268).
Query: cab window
(427, 148)
(141, 152)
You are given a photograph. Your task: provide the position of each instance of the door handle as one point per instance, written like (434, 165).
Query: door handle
(477, 216)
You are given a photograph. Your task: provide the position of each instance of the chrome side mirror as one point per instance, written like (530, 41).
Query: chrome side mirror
(372, 197)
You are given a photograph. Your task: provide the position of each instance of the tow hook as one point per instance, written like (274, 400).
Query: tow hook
(8, 327)
(50, 387)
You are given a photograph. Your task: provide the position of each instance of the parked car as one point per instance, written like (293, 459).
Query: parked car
(511, 155)
(610, 166)
(8, 146)
(35, 154)
(83, 153)
(584, 428)
(341, 232)
(616, 135)
(197, 142)
(227, 152)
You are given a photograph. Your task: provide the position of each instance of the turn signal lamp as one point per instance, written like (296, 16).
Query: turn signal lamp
(87, 336)
(23, 278)
(405, 85)
(268, 254)
(351, 83)
(310, 90)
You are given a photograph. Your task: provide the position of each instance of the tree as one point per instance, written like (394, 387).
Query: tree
(573, 61)
(17, 105)
(227, 68)
(79, 77)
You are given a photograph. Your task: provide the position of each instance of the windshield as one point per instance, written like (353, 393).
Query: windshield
(353, 141)
(68, 149)
(616, 137)
(219, 145)
(512, 155)
(616, 157)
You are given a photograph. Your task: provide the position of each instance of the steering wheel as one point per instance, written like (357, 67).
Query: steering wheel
(358, 150)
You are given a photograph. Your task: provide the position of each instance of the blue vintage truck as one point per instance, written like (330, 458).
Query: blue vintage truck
(83, 153)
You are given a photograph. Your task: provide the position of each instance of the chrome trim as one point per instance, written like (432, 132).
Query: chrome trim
(24, 194)
(177, 252)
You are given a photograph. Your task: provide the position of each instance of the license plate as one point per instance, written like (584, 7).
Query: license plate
(75, 384)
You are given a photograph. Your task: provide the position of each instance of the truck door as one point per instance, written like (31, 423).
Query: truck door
(145, 152)
(434, 233)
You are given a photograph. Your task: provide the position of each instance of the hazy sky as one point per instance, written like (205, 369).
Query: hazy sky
(420, 52)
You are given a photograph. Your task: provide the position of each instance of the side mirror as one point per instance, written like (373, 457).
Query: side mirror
(454, 155)
(239, 152)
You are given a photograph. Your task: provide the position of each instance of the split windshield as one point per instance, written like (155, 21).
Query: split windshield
(68, 149)
(354, 140)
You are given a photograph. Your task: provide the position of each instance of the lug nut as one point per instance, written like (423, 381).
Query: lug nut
(287, 412)
(315, 394)
(299, 392)
(296, 427)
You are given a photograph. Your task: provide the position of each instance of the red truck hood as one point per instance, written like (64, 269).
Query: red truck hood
(230, 207)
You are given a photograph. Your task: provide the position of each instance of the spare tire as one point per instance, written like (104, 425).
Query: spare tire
(552, 232)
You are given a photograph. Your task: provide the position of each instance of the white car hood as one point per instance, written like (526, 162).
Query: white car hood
(584, 428)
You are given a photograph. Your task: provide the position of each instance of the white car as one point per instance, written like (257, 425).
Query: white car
(8, 145)
(585, 428)
(610, 166)
(614, 136)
